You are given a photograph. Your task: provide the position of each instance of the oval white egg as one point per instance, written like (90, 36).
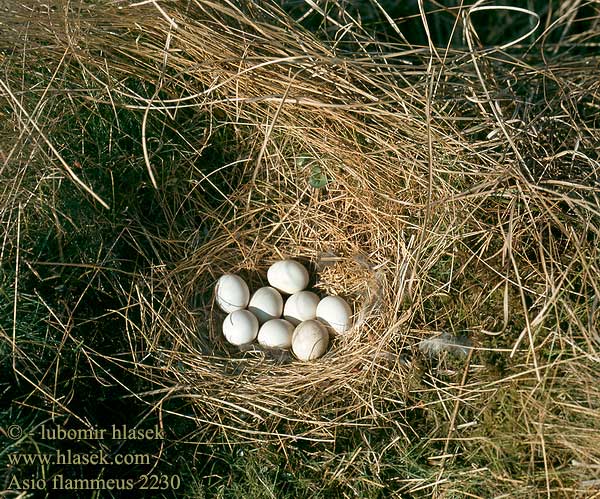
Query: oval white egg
(301, 306)
(231, 293)
(310, 340)
(335, 312)
(266, 303)
(288, 276)
(240, 327)
(276, 333)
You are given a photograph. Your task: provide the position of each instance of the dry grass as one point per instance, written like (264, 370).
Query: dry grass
(462, 197)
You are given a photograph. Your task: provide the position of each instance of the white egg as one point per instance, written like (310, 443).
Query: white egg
(288, 276)
(276, 333)
(335, 312)
(301, 306)
(240, 327)
(232, 293)
(266, 304)
(310, 340)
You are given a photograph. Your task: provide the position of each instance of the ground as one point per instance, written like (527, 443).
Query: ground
(434, 163)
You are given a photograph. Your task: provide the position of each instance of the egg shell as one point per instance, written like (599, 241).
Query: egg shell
(301, 306)
(266, 303)
(276, 333)
(310, 340)
(240, 327)
(288, 276)
(231, 293)
(335, 312)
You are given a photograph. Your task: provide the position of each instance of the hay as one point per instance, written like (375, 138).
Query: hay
(460, 197)
(405, 191)
(356, 218)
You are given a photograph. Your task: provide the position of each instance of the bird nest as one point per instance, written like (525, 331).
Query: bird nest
(252, 391)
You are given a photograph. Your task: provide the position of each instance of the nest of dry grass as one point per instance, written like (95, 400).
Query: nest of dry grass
(460, 196)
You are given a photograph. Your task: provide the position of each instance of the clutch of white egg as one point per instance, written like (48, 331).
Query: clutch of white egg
(306, 317)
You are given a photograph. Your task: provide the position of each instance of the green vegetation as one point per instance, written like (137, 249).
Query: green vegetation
(439, 176)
